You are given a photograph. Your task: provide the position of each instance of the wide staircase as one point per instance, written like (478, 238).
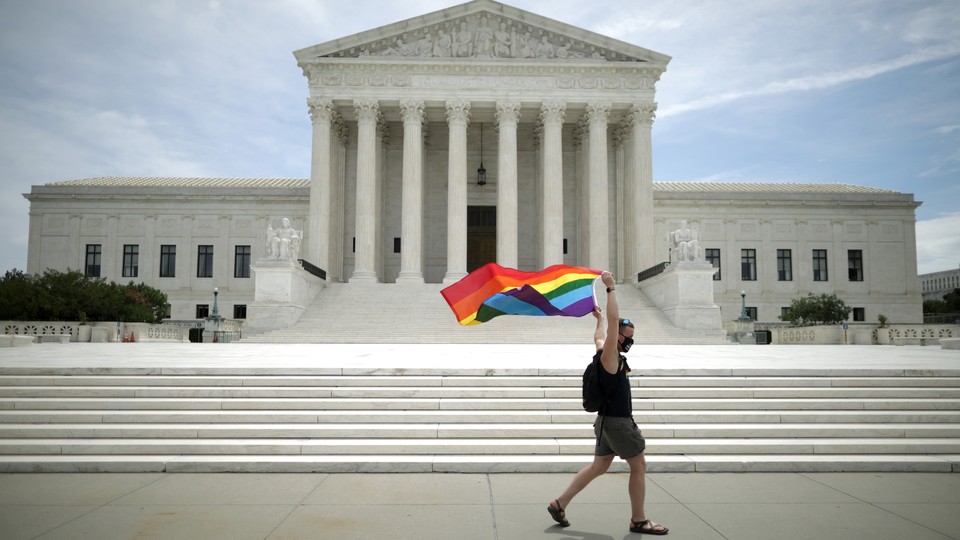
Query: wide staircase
(417, 313)
(450, 420)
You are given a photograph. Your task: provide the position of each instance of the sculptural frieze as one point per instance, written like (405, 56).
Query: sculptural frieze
(483, 36)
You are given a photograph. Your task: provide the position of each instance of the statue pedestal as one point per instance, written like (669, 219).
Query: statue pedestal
(684, 292)
(282, 292)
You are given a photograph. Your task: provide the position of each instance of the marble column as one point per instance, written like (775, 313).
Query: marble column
(368, 111)
(508, 113)
(598, 223)
(318, 234)
(411, 212)
(458, 116)
(644, 239)
(551, 241)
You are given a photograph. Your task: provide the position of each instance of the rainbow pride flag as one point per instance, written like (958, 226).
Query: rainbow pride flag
(492, 290)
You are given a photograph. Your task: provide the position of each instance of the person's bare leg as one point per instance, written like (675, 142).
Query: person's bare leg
(583, 477)
(637, 486)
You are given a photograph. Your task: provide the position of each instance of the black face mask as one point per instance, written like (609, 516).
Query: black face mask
(626, 343)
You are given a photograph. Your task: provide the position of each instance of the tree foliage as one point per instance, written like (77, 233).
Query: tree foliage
(71, 296)
(949, 304)
(816, 310)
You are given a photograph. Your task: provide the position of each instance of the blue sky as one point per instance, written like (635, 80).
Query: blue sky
(860, 92)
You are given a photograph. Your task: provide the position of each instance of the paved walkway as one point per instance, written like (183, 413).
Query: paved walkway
(474, 506)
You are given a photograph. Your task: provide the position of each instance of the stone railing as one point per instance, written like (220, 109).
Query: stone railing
(73, 331)
(862, 334)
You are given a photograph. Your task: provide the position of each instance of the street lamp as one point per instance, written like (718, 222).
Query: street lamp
(743, 305)
(216, 312)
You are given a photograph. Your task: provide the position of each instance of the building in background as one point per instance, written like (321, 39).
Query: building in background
(474, 134)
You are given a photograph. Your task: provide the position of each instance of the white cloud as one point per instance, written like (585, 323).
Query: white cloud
(938, 243)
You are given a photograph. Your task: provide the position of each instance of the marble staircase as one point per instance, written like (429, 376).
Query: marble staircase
(417, 313)
(469, 420)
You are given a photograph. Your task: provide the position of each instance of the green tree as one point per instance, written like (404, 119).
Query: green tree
(816, 310)
(71, 295)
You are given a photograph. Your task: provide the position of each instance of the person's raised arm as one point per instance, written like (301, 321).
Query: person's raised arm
(611, 353)
(600, 334)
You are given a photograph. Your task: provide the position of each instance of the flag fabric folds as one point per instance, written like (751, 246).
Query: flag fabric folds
(492, 290)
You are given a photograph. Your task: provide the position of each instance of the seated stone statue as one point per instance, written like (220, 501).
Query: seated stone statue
(284, 243)
(685, 244)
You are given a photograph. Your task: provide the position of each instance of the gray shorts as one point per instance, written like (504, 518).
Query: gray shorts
(621, 436)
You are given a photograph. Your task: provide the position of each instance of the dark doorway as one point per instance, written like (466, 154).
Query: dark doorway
(481, 236)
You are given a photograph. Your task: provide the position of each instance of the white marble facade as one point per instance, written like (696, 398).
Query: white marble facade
(566, 117)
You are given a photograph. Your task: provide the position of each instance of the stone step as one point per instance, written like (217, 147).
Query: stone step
(332, 447)
(444, 392)
(694, 404)
(473, 463)
(467, 381)
(467, 431)
(466, 416)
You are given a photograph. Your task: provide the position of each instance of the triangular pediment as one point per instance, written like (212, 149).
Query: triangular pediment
(481, 30)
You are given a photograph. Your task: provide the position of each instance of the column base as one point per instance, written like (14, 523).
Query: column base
(364, 277)
(453, 277)
(410, 277)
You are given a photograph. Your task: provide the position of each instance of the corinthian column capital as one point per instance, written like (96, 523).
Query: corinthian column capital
(458, 112)
(597, 112)
(643, 113)
(553, 112)
(508, 112)
(368, 110)
(411, 110)
(321, 110)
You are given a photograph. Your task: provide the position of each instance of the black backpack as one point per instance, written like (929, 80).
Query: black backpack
(593, 398)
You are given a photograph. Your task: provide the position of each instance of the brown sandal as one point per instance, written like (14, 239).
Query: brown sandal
(558, 514)
(648, 527)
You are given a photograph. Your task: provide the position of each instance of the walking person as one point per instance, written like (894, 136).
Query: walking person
(617, 433)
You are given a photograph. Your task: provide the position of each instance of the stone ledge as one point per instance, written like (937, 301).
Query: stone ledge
(950, 343)
(12, 340)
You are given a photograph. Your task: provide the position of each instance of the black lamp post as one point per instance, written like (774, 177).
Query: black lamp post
(481, 172)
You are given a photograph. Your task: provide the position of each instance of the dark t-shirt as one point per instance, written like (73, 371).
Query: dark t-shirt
(617, 387)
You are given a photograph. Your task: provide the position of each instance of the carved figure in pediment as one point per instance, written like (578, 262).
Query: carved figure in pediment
(463, 42)
(524, 47)
(503, 42)
(544, 48)
(443, 47)
(425, 45)
(484, 39)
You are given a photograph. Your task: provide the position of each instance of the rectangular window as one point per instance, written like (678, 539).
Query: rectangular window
(205, 261)
(784, 265)
(396, 244)
(241, 262)
(131, 260)
(92, 266)
(783, 313)
(748, 264)
(859, 314)
(752, 313)
(564, 246)
(203, 311)
(168, 261)
(713, 257)
(820, 265)
(855, 265)
(239, 311)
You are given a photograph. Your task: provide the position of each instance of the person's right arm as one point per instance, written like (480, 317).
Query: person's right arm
(611, 353)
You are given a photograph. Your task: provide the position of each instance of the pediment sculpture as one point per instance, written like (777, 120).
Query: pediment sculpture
(483, 36)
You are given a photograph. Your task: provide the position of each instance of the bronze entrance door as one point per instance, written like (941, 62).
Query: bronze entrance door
(481, 236)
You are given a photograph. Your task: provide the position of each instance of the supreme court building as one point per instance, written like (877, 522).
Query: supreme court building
(474, 134)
